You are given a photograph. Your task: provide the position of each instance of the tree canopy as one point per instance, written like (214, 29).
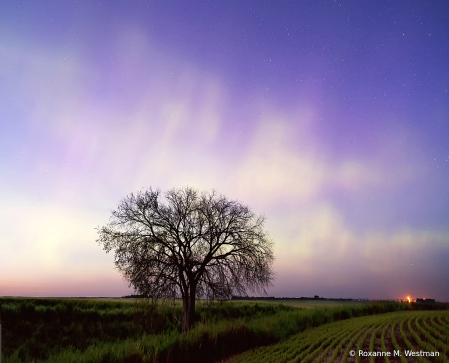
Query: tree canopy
(197, 245)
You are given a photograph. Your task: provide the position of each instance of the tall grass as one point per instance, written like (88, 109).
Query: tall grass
(37, 328)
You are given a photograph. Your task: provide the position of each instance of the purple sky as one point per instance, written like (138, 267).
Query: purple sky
(331, 118)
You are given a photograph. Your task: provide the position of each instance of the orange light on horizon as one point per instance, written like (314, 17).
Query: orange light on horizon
(409, 300)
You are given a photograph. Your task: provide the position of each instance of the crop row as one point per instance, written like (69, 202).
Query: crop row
(407, 336)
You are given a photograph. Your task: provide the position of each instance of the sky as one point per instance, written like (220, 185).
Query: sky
(330, 118)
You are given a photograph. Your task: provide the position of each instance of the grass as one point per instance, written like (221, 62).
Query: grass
(123, 330)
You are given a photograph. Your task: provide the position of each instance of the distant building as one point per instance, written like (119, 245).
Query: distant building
(425, 300)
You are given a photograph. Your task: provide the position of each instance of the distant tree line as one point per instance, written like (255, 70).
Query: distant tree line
(316, 297)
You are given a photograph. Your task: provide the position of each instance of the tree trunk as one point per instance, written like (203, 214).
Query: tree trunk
(185, 313)
(192, 308)
(188, 309)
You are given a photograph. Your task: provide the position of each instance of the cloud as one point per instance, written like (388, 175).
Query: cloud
(316, 249)
(272, 169)
(41, 240)
(283, 164)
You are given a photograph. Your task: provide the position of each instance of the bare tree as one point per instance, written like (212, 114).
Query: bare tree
(198, 245)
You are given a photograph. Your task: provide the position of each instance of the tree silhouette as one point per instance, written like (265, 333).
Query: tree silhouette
(198, 245)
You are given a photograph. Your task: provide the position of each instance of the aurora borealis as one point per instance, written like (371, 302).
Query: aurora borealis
(331, 118)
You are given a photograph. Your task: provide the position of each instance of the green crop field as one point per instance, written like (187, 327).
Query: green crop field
(129, 330)
(401, 336)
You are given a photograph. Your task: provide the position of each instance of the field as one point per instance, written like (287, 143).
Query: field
(395, 334)
(128, 330)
